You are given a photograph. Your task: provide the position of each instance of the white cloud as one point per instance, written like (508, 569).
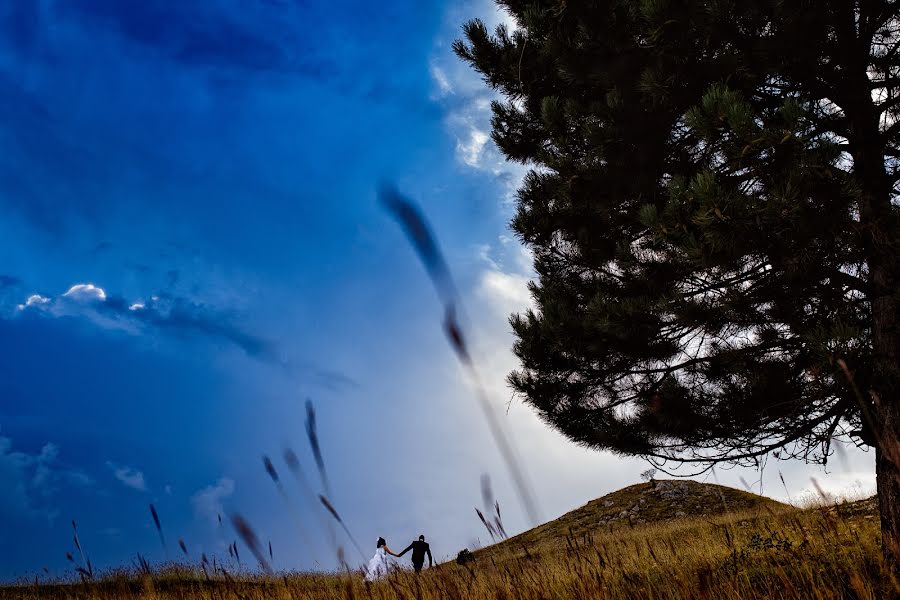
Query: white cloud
(208, 501)
(136, 306)
(85, 292)
(505, 290)
(468, 114)
(470, 150)
(34, 300)
(468, 121)
(484, 254)
(129, 476)
(440, 78)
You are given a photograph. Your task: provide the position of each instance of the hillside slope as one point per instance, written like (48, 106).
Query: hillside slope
(697, 542)
(658, 501)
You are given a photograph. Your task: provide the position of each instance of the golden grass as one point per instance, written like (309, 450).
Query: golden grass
(764, 552)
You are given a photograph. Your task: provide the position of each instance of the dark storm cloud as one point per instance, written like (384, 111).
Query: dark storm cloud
(8, 281)
(62, 155)
(230, 35)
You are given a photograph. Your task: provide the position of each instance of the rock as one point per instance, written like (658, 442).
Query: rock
(608, 503)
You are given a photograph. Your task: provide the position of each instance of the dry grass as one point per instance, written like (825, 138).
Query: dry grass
(758, 550)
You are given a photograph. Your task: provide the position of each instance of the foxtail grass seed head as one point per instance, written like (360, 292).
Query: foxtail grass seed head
(155, 516)
(425, 245)
(330, 508)
(313, 436)
(290, 458)
(251, 541)
(420, 236)
(270, 469)
(159, 530)
(334, 513)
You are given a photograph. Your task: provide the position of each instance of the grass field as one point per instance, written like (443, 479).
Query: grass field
(659, 540)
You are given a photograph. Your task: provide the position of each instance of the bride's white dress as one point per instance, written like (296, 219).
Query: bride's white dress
(380, 565)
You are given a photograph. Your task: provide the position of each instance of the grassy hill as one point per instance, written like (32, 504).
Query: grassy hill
(640, 504)
(671, 539)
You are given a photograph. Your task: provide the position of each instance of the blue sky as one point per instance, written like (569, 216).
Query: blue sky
(191, 246)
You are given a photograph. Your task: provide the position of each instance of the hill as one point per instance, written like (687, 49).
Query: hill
(671, 539)
(654, 502)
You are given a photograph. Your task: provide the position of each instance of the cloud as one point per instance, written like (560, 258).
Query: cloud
(80, 292)
(470, 150)
(35, 300)
(7, 281)
(506, 292)
(440, 78)
(30, 482)
(59, 128)
(182, 316)
(178, 318)
(85, 292)
(505, 289)
(207, 502)
(466, 103)
(130, 477)
(215, 34)
(162, 312)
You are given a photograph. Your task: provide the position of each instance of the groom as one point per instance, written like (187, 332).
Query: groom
(419, 550)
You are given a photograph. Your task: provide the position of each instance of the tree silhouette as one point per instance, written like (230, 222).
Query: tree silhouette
(713, 213)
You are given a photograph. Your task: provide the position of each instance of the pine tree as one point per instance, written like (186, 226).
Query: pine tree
(713, 211)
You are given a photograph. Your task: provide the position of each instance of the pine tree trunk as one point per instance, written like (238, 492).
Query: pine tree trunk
(879, 245)
(884, 398)
(886, 402)
(888, 474)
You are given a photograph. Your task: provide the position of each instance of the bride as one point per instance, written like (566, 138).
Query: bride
(381, 564)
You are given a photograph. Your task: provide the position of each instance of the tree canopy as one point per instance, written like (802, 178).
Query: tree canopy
(713, 211)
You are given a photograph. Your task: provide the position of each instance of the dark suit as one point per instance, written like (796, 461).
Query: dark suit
(419, 550)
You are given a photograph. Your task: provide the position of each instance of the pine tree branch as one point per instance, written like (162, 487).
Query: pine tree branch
(885, 82)
(888, 134)
(737, 279)
(726, 457)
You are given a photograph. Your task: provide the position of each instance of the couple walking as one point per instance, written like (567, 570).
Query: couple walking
(381, 564)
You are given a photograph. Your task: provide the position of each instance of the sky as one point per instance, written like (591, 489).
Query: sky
(191, 247)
